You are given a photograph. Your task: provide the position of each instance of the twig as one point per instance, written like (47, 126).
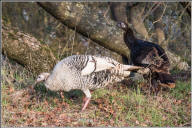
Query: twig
(162, 14)
(105, 13)
(155, 5)
(184, 10)
(73, 38)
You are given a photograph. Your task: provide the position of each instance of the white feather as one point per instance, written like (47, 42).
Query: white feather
(102, 64)
(90, 67)
(130, 67)
(96, 64)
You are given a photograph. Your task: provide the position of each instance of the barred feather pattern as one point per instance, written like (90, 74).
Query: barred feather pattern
(66, 75)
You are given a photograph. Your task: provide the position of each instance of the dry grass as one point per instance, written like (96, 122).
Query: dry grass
(121, 105)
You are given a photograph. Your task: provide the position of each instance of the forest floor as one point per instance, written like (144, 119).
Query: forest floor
(117, 105)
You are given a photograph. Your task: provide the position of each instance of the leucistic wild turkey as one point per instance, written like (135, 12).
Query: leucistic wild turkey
(85, 72)
(151, 55)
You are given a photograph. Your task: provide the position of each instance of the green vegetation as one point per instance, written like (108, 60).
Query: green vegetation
(117, 105)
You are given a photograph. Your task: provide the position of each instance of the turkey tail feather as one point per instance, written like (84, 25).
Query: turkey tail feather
(166, 80)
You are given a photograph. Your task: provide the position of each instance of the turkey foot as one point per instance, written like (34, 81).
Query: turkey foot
(86, 102)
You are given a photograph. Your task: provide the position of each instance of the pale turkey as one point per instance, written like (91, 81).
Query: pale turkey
(85, 72)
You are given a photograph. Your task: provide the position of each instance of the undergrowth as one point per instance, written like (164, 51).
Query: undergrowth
(119, 105)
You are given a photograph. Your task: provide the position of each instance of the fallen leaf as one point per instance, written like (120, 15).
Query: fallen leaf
(62, 116)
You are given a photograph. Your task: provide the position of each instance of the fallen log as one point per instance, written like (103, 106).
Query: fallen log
(92, 21)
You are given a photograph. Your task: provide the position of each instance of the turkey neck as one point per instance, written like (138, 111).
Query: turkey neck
(129, 38)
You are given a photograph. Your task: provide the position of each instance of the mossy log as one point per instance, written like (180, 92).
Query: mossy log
(27, 50)
(91, 21)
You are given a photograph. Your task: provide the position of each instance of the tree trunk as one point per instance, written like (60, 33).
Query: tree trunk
(159, 26)
(187, 5)
(137, 21)
(27, 50)
(85, 19)
(119, 11)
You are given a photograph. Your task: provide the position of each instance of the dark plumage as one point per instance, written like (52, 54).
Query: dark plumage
(148, 54)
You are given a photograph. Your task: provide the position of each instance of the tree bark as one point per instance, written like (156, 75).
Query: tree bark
(85, 19)
(136, 13)
(119, 11)
(27, 50)
(187, 5)
(159, 25)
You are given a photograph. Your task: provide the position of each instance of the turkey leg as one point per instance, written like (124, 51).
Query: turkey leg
(86, 99)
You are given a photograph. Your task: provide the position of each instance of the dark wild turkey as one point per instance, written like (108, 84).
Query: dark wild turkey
(147, 54)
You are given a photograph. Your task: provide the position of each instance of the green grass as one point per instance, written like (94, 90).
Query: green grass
(181, 90)
(119, 105)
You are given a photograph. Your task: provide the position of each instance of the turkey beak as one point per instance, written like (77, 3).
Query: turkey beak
(120, 26)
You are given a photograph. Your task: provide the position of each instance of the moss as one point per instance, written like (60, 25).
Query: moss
(12, 36)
